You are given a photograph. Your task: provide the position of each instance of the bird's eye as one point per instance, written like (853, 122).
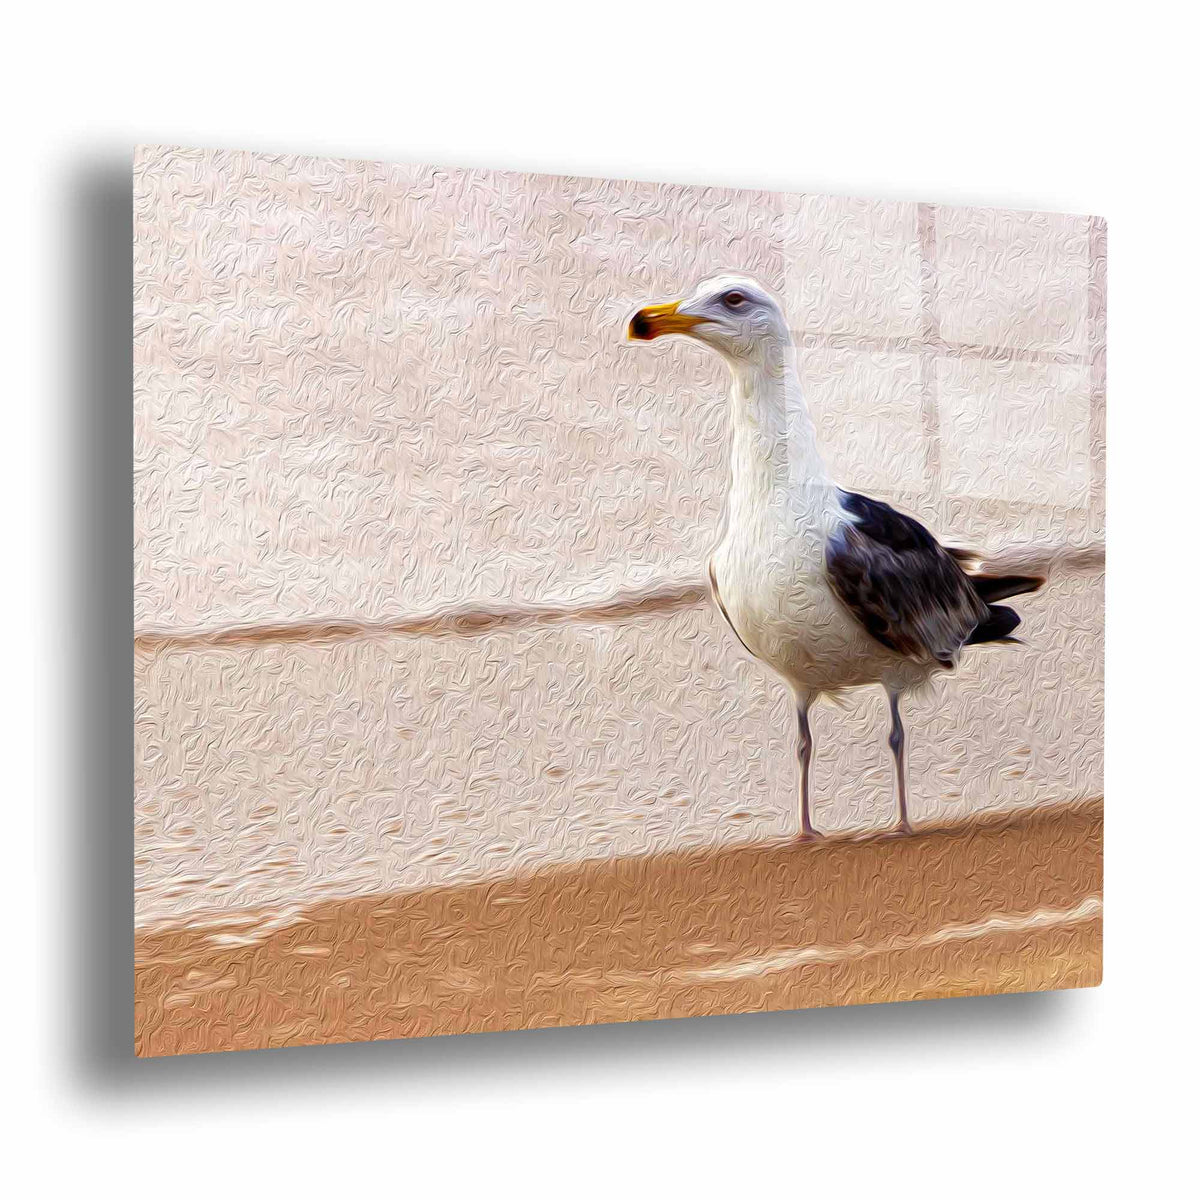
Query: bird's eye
(733, 299)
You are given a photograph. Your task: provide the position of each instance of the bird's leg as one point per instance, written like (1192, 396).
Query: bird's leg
(896, 743)
(804, 753)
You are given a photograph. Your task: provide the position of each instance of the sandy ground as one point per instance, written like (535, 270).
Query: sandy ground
(1002, 905)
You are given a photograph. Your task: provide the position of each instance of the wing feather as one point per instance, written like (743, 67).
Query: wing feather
(907, 591)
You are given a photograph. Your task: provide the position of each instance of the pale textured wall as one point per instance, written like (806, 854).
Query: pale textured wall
(368, 393)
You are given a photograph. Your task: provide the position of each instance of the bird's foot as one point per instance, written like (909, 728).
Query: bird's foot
(810, 835)
(901, 830)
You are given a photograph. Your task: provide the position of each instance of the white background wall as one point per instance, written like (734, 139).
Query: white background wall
(1067, 107)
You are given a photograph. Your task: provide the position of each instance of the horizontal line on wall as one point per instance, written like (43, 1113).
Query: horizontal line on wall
(459, 621)
(811, 339)
(469, 620)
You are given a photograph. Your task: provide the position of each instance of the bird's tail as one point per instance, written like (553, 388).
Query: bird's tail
(990, 588)
(996, 626)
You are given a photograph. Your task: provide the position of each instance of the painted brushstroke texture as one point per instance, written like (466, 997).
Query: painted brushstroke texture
(995, 907)
(421, 540)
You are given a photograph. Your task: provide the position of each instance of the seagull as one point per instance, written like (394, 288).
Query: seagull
(831, 589)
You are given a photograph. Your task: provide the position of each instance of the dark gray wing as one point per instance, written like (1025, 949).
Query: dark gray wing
(907, 591)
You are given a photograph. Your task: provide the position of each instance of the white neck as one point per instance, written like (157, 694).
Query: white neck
(775, 461)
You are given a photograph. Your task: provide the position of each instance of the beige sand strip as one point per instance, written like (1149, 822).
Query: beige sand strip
(999, 906)
(1086, 910)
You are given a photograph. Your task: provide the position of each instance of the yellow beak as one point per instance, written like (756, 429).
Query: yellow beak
(658, 319)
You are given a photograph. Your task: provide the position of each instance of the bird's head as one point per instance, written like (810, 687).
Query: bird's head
(734, 315)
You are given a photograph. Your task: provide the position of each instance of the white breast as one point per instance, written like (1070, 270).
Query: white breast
(769, 570)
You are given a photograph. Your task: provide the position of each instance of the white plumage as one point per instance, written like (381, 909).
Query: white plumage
(831, 589)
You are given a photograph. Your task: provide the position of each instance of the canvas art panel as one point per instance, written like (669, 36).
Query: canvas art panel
(564, 600)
